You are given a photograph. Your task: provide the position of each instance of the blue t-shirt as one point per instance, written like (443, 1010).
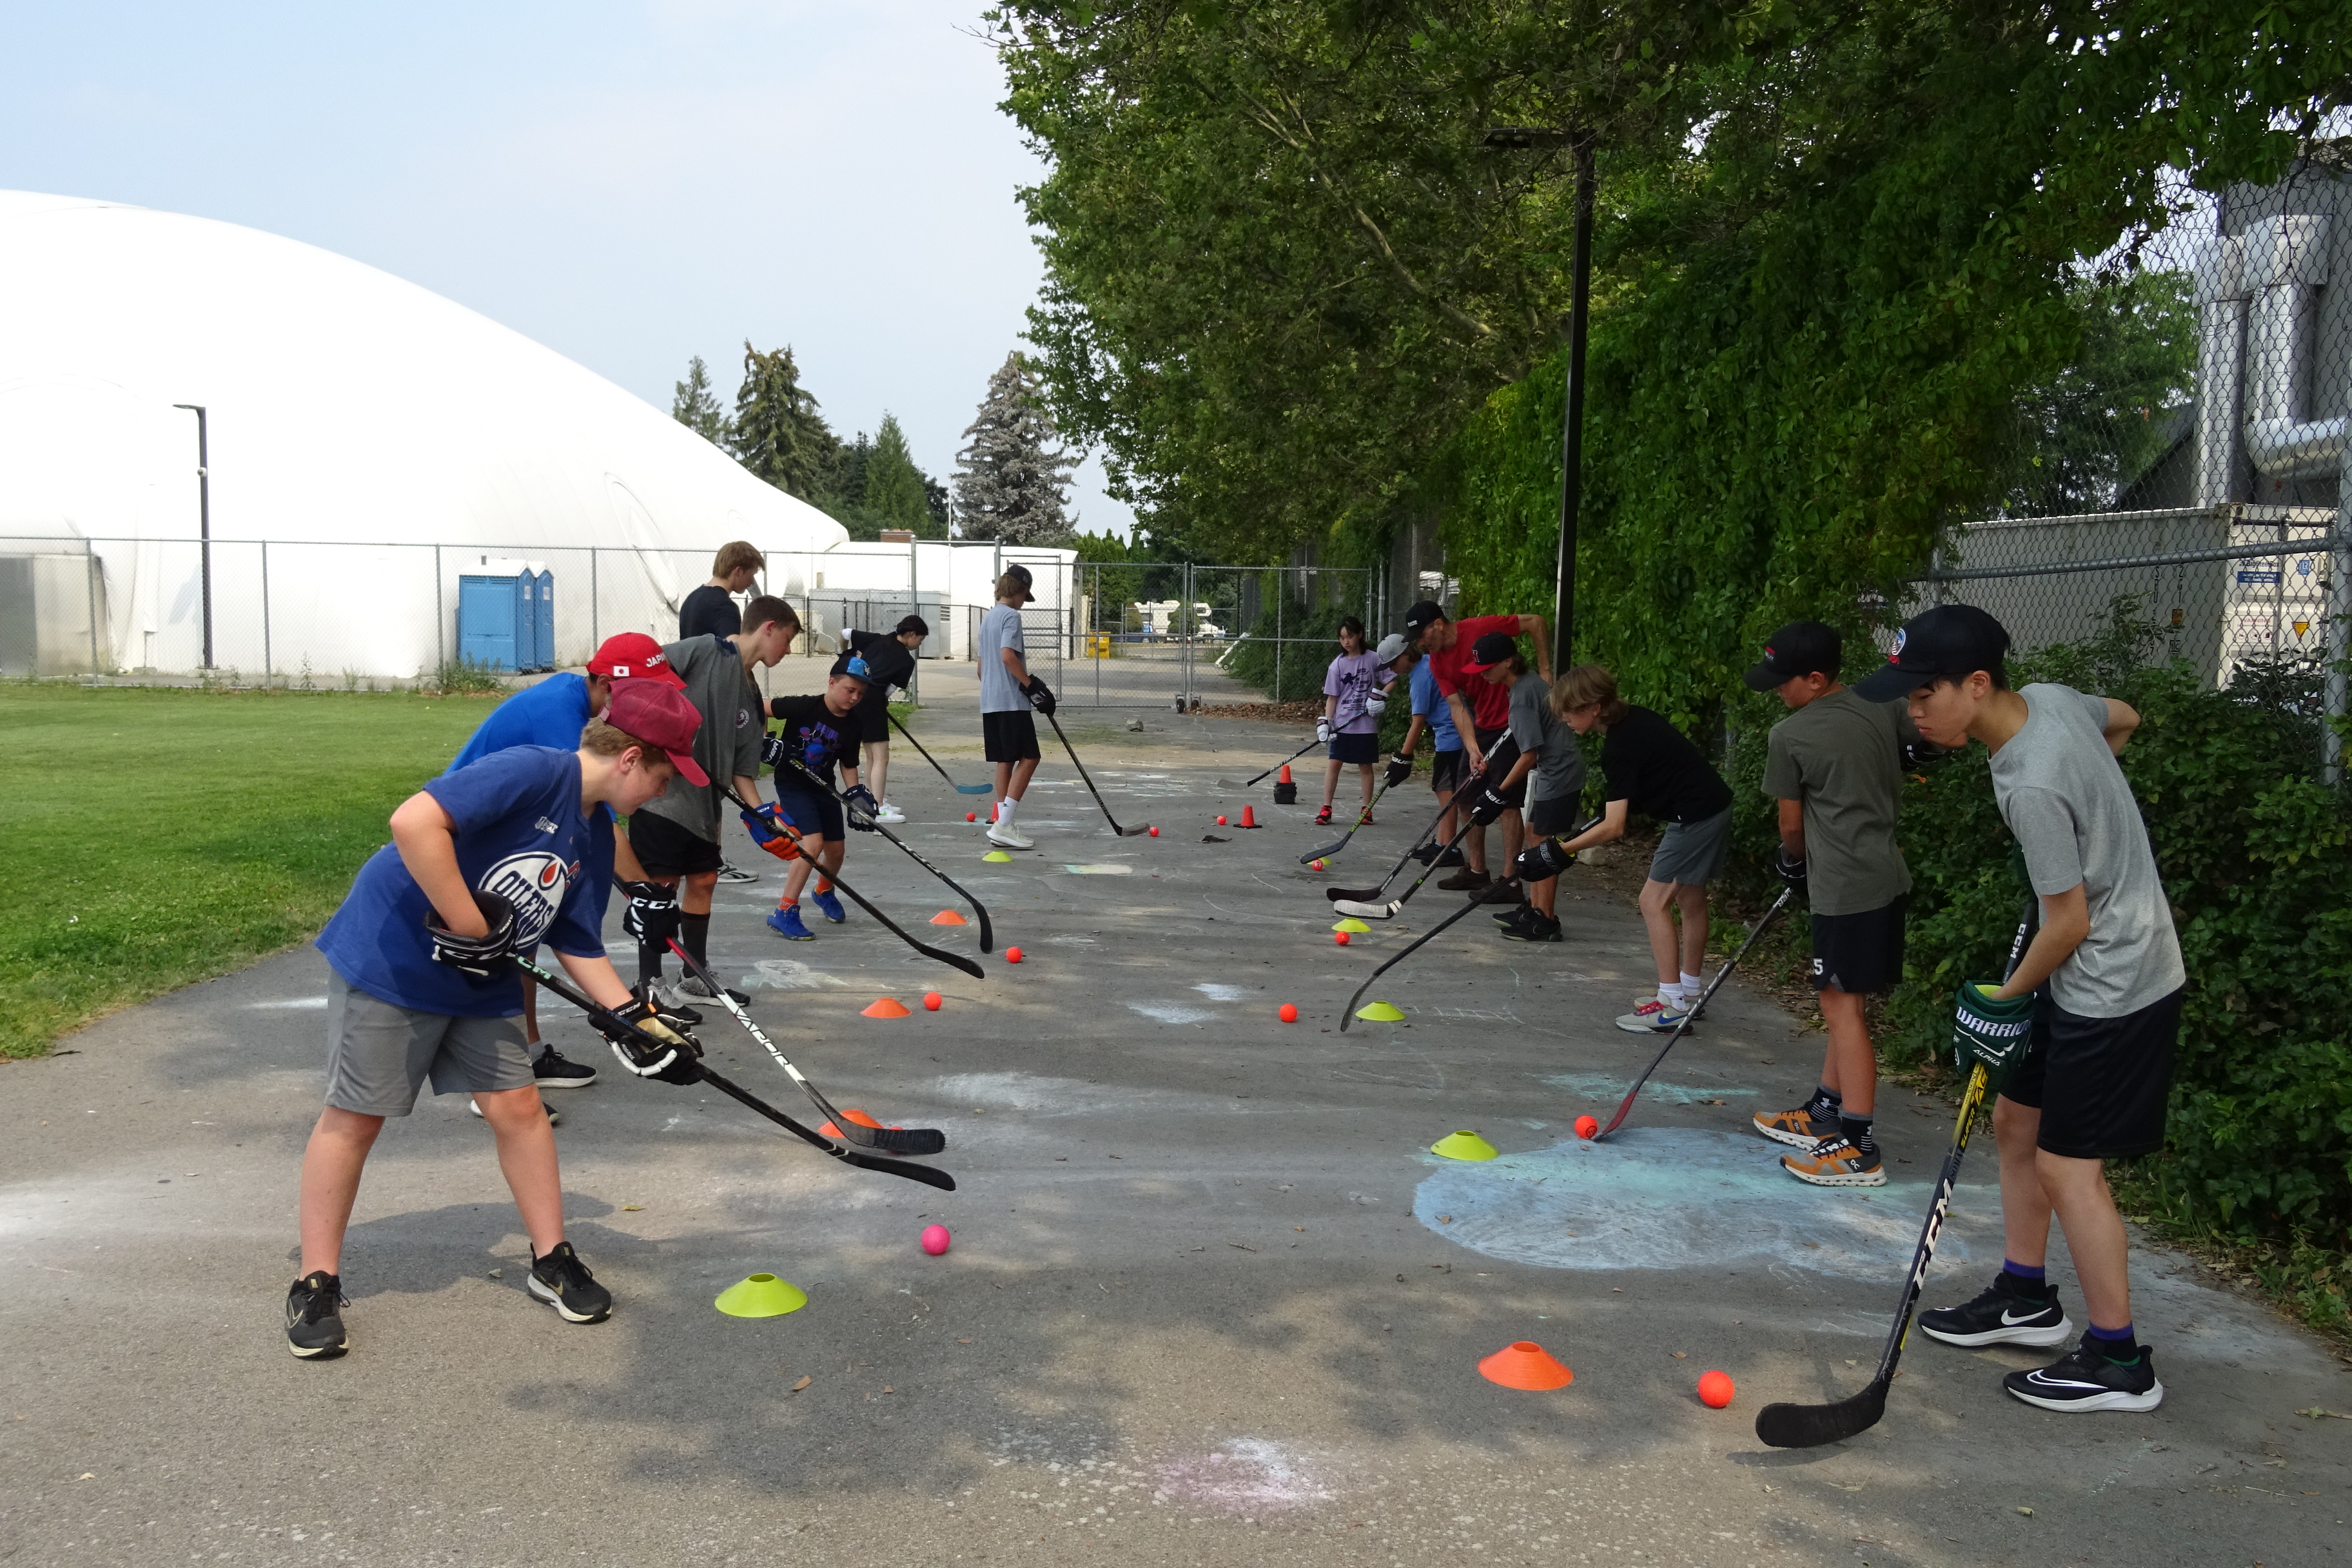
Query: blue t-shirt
(1433, 708)
(552, 714)
(521, 834)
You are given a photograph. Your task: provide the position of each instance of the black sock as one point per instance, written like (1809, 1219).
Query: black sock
(1857, 1129)
(1825, 1103)
(2032, 1287)
(2118, 1345)
(694, 935)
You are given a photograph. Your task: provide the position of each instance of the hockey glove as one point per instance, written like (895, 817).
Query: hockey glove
(859, 805)
(1791, 869)
(1993, 1033)
(768, 830)
(652, 914)
(1487, 806)
(1376, 705)
(650, 1048)
(1041, 696)
(776, 752)
(478, 958)
(1399, 770)
(1322, 732)
(1541, 861)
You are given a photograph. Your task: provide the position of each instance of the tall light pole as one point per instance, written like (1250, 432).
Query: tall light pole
(1580, 309)
(203, 520)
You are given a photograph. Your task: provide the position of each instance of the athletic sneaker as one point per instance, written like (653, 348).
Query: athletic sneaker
(1430, 855)
(1505, 891)
(735, 874)
(667, 1000)
(828, 904)
(1537, 927)
(555, 1071)
(1834, 1163)
(554, 1117)
(1999, 1317)
(692, 985)
(786, 923)
(1006, 836)
(1799, 1128)
(314, 1319)
(1656, 1016)
(1323, 817)
(563, 1282)
(1465, 880)
(1514, 915)
(2084, 1379)
(890, 814)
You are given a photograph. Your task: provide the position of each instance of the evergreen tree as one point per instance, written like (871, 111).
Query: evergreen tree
(778, 432)
(846, 491)
(695, 407)
(937, 501)
(894, 486)
(1012, 482)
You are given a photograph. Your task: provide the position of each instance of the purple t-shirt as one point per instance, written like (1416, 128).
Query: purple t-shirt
(1352, 678)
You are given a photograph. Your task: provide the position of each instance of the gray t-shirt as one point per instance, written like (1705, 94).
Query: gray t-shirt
(2063, 794)
(727, 745)
(1843, 758)
(1560, 761)
(1001, 629)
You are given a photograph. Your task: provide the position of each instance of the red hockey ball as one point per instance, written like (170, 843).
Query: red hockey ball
(931, 1000)
(1287, 1012)
(971, 817)
(1586, 1127)
(1011, 955)
(1155, 833)
(1340, 937)
(1220, 821)
(1715, 1389)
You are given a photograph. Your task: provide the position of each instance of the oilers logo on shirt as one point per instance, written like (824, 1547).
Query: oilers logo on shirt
(534, 882)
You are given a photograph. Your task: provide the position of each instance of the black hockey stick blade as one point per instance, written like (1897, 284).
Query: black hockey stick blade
(952, 960)
(895, 1140)
(1684, 1027)
(1788, 1425)
(1247, 783)
(1115, 827)
(987, 928)
(1341, 842)
(958, 788)
(1372, 895)
(1418, 942)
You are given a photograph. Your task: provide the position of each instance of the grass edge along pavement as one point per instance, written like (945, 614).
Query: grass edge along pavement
(198, 831)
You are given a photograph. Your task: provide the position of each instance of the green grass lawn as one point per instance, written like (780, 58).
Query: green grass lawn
(158, 837)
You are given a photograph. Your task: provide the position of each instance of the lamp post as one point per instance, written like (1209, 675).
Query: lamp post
(203, 520)
(1520, 138)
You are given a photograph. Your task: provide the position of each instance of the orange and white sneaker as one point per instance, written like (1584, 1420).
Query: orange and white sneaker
(1799, 1128)
(1834, 1163)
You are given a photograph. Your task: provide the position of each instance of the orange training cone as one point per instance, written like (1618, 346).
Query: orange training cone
(851, 1114)
(1249, 817)
(1523, 1363)
(1283, 777)
(887, 1008)
(948, 918)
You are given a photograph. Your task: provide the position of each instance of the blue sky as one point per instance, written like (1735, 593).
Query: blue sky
(629, 183)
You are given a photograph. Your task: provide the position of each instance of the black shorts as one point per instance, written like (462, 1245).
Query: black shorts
(666, 850)
(1550, 818)
(811, 813)
(1860, 954)
(2100, 1083)
(1447, 771)
(1499, 761)
(1364, 749)
(1009, 737)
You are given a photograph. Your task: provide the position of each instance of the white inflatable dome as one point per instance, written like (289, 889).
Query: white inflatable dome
(370, 444)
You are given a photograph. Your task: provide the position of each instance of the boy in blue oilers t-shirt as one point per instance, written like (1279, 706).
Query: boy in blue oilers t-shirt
(496, 857)
(820, 731)
(553, 712)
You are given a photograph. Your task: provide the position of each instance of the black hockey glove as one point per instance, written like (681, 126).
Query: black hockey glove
(1791, 869)
(1399, 770)
(652, 1048)
(860, 807)
(775, 752)
(478, 958)
(1541, 861)
(1487, 806)
(1041, 696)
(652, 913)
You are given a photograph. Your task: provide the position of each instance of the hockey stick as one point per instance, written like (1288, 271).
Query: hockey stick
(606, 1018)
(1696, 1008)
(960, 789)
(1246, 784)
(1115, 827)
(895, 1140)
(1367, 895)
(1362, 817)
(987, 932)
(952, 960)
(1349, 1017)
(1786, 1425)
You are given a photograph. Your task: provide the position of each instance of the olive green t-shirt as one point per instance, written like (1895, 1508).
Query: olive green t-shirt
(1843, 758)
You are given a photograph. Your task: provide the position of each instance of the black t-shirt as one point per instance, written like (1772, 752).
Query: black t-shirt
(890, 661)
(708, 611)
(1654, 765)
(817, 736)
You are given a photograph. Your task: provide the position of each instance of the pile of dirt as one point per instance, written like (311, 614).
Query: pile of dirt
(1273, 713)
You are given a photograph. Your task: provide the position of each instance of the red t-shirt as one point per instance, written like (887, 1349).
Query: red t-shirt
(1490, 701)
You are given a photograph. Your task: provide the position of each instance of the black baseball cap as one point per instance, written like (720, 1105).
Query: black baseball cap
(1949, 640)
(1800, 647)
(1489, 651)
(1421, 617)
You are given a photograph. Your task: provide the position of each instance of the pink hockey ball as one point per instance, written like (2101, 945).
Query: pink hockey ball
(935, 1239)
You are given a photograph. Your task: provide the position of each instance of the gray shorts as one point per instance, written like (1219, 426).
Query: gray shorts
(1692, 853)
(380, 1056)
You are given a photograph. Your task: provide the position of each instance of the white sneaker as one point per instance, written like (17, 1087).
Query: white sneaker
(889, 812)
(728, 873)
(1006, 836)
(1656, 1016)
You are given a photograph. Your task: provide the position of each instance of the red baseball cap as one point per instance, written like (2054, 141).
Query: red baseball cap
(659, 715)
(632, 656)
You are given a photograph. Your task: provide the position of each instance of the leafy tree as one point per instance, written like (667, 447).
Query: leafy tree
(1011, 482)
(778, 432)
(846, 491)
(894, 494)
(695, 407)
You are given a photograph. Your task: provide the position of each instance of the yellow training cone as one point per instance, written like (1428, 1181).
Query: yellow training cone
(1351, 924)
(1464, 1145)
(1379, 1012)
(996, 855)
(760, 1296)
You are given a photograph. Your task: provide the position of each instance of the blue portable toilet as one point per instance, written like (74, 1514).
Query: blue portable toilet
(547, 618)
(496, 625)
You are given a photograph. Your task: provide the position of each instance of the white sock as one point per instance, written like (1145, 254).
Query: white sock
(1670, 990)
(1692, 985)
(1005, 809)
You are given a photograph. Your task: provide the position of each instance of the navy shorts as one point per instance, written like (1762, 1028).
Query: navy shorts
(813, 815)
(1364, 749)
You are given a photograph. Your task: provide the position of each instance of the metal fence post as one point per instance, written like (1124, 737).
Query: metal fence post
(265, 665)
(440, 618)
(2333, 694)
(90, 586)
(1281, 592)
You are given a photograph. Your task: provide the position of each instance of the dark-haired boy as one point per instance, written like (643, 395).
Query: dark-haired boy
(1835, 766)
(2105, 976)
(819, 731)
(889, 661)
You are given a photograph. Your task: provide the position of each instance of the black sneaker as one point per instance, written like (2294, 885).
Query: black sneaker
(692, 985)
(2084, 1379)
(1506, 891)
(553, 1070)
(1513, 916)
(563, 1282)
(1427, 854)
(314, 1320)
(1537, 927)
(1451, 858)
(1999, 1317)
